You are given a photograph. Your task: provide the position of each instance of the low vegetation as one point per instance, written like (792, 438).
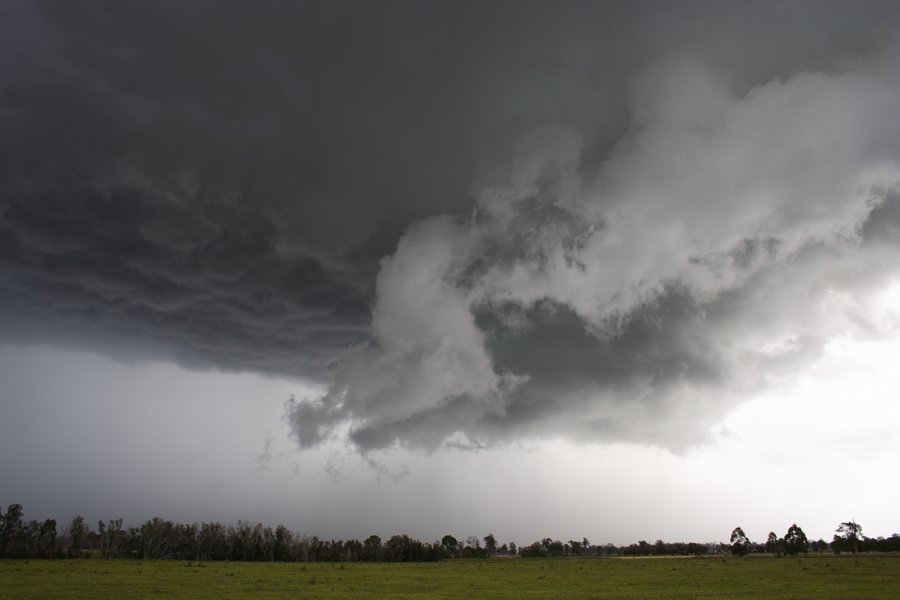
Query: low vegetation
(723, 577)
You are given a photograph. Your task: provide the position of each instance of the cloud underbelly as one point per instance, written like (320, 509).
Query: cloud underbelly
(720, 245)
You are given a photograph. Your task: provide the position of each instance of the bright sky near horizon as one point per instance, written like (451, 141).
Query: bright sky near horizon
(201, 446)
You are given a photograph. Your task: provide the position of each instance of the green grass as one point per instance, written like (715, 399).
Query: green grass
(818, 577)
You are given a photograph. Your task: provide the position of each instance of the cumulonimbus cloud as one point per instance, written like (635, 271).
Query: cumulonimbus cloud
(725, 239)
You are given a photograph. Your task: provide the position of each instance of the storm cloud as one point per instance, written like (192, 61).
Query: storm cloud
(641, 302)
(471, 223)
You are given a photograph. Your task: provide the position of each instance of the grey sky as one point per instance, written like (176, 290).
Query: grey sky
(438, 225)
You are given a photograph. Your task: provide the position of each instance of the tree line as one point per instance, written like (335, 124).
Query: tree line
(848, 537)
(163, 539)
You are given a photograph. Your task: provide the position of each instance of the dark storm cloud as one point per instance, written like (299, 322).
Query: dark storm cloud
(204, 281)
(217, 183)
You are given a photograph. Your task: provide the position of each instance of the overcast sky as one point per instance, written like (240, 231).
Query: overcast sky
(617, 270)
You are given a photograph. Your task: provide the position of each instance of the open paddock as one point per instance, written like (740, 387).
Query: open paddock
(813, 577)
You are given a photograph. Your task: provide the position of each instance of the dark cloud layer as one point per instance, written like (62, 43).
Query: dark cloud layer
(203, 279)
(598, 217)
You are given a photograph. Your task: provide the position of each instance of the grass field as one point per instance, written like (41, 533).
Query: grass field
(818, 577)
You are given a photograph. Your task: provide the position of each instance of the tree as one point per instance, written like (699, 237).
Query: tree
(473, 549)
(850, 533)
(372, 548)
(76, 533)
(450, 545)
(771, 542)
(112, 538)
(47, 546)
(535, 550)
(490, 544)
(402, 548)
(795, 540)
(12, 532)
(740, 545)
(281, 546)
(553, 547)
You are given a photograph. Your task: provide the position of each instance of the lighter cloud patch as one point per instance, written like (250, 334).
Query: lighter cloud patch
(715, 252)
